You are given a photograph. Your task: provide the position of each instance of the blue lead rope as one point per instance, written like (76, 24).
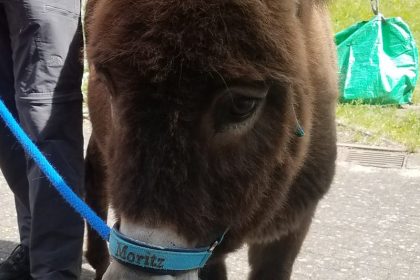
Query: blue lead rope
(58, 182)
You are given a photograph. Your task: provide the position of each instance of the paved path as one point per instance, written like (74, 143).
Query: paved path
(367, 228)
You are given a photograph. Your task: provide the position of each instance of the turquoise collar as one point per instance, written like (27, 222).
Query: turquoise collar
(155, 258)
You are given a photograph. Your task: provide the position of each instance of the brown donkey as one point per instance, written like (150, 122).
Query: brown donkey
(196, 109)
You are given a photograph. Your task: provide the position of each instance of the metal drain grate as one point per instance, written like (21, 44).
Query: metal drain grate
(376, 158)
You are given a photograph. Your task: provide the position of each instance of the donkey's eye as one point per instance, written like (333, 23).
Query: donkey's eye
(242, 107)
(234, 110)
(236, 107)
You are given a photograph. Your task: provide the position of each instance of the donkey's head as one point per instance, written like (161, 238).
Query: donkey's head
(205, 98)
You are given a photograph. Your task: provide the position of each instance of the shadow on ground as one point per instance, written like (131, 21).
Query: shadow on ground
(6, 247)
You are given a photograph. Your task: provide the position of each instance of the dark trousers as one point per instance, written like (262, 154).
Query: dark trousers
(40, 78)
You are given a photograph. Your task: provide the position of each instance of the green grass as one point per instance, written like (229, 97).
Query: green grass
(402, 126)
(398, 125)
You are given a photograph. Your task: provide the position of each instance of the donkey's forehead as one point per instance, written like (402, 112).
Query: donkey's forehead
(162, 38)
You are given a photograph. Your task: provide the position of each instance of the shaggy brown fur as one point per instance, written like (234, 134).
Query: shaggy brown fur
(174, 152)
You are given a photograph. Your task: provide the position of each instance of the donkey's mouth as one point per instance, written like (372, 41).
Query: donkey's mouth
(117, 271)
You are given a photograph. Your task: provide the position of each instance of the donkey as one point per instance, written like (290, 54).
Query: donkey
(198, 111)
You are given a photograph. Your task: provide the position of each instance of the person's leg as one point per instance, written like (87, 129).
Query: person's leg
(13, 163)
(12, 156)
(47, 47)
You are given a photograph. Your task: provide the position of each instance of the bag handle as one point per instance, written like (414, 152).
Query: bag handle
(375, 6)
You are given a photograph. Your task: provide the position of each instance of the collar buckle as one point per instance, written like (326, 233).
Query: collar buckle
(213, 246)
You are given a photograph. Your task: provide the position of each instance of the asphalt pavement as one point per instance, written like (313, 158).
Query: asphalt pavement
(366, 228)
